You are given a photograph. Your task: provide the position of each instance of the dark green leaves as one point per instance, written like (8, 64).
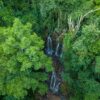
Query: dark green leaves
(97, 67)
(81, 59)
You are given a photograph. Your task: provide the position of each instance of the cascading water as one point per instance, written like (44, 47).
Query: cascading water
(54, 83)
(61, 53)
(49, 49)
(55, 80)
(58, 52)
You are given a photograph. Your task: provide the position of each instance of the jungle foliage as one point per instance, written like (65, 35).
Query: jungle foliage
(81, 62)
(81, 58)
(24, 25)
(22, 61)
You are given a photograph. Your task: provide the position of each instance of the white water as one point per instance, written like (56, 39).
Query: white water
(54, 83)
(49, 49)
(58, 51)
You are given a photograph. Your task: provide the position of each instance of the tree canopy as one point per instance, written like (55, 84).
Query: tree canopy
(22, 61)
(24, 66)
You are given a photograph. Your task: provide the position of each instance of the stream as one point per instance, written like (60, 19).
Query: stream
(55, 77)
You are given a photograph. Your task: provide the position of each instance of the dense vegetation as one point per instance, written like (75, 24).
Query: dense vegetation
(24, 67)
(22, 61)
(82, 61)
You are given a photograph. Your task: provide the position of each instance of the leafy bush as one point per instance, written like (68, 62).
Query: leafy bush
(81, 62)
(23, 64)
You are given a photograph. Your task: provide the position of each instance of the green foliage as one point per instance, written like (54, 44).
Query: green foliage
(97, 67)
(23, 64)
(22, 60)
(46, 16)
(81, 63)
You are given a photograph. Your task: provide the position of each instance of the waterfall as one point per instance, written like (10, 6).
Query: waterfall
(54, 80)
(58, 51)
(49, 49)
(61, 54)
(54, 83)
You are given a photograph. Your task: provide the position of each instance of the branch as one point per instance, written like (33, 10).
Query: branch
(82, 17)
(62, 34)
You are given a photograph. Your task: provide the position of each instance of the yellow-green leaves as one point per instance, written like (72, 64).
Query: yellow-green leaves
(26, 65)
(25, 42)
(23, 59)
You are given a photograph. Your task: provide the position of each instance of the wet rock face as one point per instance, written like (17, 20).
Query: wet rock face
(53, 49)
(54, 83)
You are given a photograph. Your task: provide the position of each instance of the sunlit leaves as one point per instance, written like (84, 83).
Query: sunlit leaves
(25, 43)
(23, 61)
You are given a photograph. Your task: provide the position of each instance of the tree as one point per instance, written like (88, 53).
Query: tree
(81, 65)
(23, 64)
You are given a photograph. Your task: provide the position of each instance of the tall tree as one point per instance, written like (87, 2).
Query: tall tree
(23, 64)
